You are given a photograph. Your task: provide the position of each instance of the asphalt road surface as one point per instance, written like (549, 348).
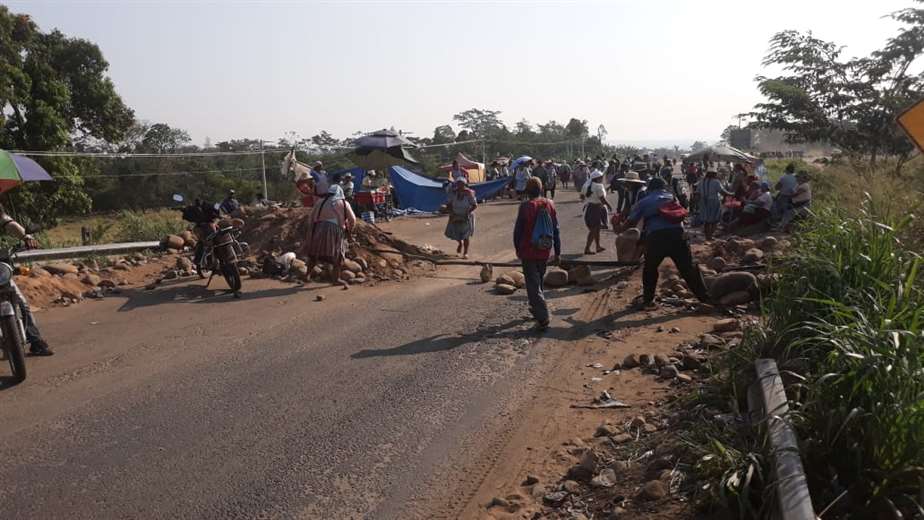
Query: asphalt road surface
(184, 403)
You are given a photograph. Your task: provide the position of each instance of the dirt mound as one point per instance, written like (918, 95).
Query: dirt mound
(280, 230)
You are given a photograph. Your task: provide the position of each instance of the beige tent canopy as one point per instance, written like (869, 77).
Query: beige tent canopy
(475, 169)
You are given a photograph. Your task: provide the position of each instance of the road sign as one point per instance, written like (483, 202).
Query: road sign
(912, 121)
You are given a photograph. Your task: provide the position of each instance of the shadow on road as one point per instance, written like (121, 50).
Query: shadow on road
(7, 382)
(441, 342)
(139, 298)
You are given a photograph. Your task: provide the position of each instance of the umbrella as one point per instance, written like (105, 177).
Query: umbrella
(721, 153)
(519, 160)
(381, 140)
(16, 169)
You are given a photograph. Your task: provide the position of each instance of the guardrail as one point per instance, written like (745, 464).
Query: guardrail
(61, 253)
(767, 399)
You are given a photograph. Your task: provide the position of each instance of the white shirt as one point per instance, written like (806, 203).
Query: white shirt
(597, 191)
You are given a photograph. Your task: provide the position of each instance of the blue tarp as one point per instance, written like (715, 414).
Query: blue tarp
(425, 194)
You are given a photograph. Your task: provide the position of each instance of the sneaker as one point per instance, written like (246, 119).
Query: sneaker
(542, 326)
(40, 348)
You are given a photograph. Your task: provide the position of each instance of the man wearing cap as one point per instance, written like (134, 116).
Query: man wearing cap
(321, 183)
(663, 238)
(230, 205)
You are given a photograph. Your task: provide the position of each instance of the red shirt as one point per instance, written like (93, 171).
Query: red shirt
(523, 231)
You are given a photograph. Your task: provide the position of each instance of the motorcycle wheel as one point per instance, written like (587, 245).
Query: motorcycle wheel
(232, 276)
(15, 349)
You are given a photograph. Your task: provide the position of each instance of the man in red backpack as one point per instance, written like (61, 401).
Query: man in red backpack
(535, 251)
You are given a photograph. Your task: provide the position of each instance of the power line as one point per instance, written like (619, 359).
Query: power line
(166, 174)
(102, 155)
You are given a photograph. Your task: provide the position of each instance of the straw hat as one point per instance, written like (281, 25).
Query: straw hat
(631, 177)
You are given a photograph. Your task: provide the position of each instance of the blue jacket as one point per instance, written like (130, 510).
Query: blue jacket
(647, 208)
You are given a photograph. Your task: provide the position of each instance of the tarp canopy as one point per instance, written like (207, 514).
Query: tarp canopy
(475, 169)
(721, 153)
(425, 194)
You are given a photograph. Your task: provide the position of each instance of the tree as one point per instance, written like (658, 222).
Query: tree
(55, 91)
(851, 103)
(697, 146)
(324, 140)
(161, 138)
(601, 133)
(524, 129)
(443, 134)
(551, 130)
(480, 123)
(577, 128)
(727, 133)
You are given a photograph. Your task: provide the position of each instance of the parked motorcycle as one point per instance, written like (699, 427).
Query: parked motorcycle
(219, 249)
(12, 329)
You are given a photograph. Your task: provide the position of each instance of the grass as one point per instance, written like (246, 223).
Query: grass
(124, 226)
(845, 323)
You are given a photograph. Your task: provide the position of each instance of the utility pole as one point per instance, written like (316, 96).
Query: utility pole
(483, 154)
(263, 164)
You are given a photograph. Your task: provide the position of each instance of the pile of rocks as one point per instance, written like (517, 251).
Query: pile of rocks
(178, 243)
(577, 275)
(67, 283)
(509, 282)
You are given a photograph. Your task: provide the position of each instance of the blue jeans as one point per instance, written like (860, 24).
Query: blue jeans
(28, 319)
(534, 271)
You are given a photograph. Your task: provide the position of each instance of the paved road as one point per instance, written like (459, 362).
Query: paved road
(182, 403)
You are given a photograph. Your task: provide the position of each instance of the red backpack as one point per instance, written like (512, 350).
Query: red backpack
(673, 212)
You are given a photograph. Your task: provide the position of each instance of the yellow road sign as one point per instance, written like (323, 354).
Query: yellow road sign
(912, 121)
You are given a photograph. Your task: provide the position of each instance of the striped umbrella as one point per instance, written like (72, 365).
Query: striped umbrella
(17, 169)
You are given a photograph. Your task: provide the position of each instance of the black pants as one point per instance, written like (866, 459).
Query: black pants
(670, 243)
(546, 190)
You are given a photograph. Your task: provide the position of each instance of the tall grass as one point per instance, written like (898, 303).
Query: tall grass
(134, 226)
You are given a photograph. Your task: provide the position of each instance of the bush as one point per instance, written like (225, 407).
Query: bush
(138, 227)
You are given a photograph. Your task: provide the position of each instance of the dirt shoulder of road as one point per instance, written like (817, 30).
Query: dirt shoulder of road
(549, 436)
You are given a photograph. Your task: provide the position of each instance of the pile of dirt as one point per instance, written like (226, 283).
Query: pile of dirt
(275, 231)
(67, 283)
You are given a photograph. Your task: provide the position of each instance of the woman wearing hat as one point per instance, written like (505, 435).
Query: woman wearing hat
(596, 211)
(632, 187)
(710, 192)
(331, 220)
(462, 205)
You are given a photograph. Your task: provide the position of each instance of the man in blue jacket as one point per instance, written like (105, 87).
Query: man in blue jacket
(664, 238)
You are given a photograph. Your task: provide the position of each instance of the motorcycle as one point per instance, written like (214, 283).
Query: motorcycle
(220, 250)
(12, 329)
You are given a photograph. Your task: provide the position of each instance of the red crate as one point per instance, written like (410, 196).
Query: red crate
(369, 198)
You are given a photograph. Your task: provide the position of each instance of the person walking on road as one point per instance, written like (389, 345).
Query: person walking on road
(548, 188)
(330, 223)
(520, 176)
(535, 245)
(462, 206)
(664, 237)
(596, 212)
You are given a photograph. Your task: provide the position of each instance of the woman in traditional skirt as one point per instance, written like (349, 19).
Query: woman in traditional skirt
(596, 211)
(461, 225)
(331, 219)
(710, 191)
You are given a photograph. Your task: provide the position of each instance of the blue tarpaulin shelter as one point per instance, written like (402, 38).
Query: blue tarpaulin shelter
(425, 194)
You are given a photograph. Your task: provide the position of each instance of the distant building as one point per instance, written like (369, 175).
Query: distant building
(768, 142)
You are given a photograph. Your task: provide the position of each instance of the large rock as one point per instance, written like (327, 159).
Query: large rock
(717, 264)
(505, 289)
(505, 279)
(91, 279)
(627, 246)
(173, 242)
(299, 268)
(519, 279)
(735, 281)
(556, 278)
(769, 244)
(352, 266)
(736, 298)
(487, 272)
(581, 272)
(752, 256)
(347, 275)
(61, 268)
(726, 325)
(653, 490)
(38, 272)
(630, 361)
(184, 264)
(188, 238)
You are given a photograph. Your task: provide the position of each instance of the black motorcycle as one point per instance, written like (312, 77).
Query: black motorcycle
(12, 329)
(220, 250)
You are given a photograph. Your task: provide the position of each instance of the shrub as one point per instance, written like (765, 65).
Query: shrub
(136, 226)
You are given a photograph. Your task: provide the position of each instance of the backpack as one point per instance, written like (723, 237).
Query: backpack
(673, 212)
(543, 230)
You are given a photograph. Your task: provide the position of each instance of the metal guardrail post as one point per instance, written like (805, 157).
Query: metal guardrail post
(36, 255)
(767, 398)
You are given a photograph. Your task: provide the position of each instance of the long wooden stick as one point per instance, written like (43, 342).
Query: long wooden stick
(477, 263)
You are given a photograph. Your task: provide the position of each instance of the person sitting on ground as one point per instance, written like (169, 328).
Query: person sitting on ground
(230, 206)
(461, 224)
(331, 221)
(535, 256)
(37, 345)
(755, 211)
(801, 200)
(664, 237)
(596, 213)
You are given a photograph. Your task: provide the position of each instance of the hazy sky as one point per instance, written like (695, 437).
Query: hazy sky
(649, 70)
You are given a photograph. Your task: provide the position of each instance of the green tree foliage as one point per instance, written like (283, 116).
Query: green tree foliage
(56, 92)
(480, 123)
(577, 128)
(851, 103)
(443, 134)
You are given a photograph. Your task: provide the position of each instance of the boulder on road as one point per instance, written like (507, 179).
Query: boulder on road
(505, 279)
(717, 264)
(347, 275)
(726, 325)
(172, 242)
(505, 289)
(299, 268)
(556, 278)
(630, 361)
(184, 264)
(61, 268)
(519, 279)
(578, 273)
(487, 272)
(38, 272)
(627, 246)
(188, 238)
(735, 281)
